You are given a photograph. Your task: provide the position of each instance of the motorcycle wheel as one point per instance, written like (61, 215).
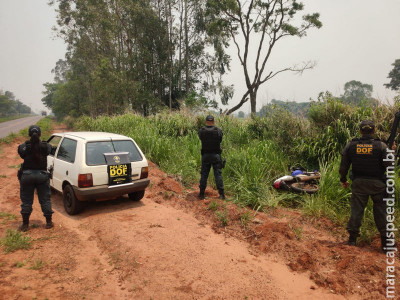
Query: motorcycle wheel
(304, 187)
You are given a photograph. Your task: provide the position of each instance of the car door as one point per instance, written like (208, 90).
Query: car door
(54, 141)
(64, 162)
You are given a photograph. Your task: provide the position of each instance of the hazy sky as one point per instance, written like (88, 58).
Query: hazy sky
(359, 40)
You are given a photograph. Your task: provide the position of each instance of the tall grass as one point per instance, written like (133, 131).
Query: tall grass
(332, 200)
(258, 150)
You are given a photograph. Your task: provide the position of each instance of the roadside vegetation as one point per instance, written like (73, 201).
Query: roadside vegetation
(259, 150)
(11, 107)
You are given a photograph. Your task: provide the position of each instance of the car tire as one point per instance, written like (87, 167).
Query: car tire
(136, 196)
(71, 204)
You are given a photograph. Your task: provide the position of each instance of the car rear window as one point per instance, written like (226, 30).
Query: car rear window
(95, 151)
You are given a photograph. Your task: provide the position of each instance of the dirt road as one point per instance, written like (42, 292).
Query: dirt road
(173, 246)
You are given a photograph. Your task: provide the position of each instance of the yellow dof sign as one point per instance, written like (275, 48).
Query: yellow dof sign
(364, 149)
(119, 170)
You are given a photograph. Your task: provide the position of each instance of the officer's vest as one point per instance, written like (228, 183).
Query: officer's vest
(30, 163)
(366, 158)
(210, 140)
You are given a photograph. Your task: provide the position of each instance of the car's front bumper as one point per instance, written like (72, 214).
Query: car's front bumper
(106, 191)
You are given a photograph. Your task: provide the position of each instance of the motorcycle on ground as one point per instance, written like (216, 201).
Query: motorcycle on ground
(299, 181)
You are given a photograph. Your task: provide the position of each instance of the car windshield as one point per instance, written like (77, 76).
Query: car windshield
(95, 151)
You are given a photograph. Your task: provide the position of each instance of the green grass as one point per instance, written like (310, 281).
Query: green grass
(7, 216)
(258, 151)
(222, 216)
(9, 138)
(15, 240)
(20, 264)
(14, 166)
(214, 205)
(37, 264)
(332, 200)
(246, 218)
(298, 231)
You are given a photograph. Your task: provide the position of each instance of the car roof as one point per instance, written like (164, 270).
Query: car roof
(93, 135)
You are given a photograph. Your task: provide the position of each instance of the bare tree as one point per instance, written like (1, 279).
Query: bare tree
(262, 23)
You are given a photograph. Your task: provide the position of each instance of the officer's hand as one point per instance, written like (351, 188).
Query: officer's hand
(394, 147)
(345, 185)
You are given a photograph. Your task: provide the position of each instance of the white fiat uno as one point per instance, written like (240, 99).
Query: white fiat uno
(89, 166)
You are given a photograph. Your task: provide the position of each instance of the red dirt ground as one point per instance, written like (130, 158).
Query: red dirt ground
(171, 245)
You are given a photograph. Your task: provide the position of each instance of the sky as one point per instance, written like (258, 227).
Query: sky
(359, 40)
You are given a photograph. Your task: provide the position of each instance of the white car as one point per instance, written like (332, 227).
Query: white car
(89, 166)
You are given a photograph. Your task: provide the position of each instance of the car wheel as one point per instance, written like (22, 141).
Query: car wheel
(71, 205)
(136, 196)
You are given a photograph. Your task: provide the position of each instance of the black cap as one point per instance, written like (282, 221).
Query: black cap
(209, 118)
(367, 126)
(33, 129)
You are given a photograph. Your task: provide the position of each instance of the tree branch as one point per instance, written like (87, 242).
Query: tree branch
(271, 44)
(262, 40)
(243, 101)
(237, 45)
(308, 65)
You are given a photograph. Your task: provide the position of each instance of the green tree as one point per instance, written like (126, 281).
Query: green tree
(255, 27)
(394, 76)
(139, 54)
(49, 93)
(115, 53)
(356, 92)
(9, 105)
(297, 108)
(5, 104)
(60, 71)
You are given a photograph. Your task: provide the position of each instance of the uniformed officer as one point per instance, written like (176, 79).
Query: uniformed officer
(211, 138)
(34, 176)
(366, 155)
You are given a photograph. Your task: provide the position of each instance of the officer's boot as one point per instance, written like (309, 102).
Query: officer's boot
(352, 240)
(201, 194)
(49, 222)
(221, 194)
(25, 223)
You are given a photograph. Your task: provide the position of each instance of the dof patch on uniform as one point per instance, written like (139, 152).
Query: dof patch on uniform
(364, 149)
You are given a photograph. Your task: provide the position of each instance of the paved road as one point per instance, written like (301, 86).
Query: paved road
(16, 125)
